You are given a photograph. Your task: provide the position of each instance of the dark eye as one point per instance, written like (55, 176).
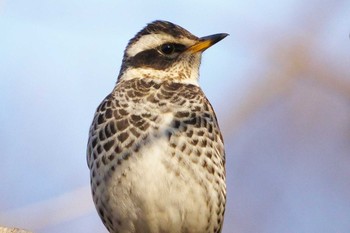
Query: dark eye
(167, 49)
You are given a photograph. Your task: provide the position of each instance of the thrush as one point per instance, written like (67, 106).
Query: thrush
(155, 150)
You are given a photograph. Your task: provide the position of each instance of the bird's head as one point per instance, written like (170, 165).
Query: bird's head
(165, 51)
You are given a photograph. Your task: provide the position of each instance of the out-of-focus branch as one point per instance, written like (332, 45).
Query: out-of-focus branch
(12, 230)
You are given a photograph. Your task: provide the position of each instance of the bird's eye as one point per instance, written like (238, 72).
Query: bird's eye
(167, 49)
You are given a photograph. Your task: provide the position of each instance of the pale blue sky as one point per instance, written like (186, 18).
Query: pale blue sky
(59, 59)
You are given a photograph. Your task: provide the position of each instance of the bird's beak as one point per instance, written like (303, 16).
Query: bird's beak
(206, 42)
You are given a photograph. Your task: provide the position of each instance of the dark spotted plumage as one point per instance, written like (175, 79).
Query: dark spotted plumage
(155, 150)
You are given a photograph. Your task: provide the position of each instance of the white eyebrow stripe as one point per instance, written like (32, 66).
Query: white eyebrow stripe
(152, 41)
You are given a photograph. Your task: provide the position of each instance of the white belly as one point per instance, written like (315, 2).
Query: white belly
(157, 193)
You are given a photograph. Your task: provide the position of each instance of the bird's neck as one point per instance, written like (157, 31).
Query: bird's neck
(160, 75)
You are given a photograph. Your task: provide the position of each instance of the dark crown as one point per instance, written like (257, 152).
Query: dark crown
(160, 26)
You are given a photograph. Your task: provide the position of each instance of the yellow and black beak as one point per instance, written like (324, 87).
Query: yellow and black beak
(206, 42)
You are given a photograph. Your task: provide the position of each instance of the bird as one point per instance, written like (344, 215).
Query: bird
(155, 150)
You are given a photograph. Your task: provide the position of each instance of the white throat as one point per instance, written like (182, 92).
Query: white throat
(174, 74)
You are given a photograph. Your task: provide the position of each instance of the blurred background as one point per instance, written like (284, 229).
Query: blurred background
(280, 85)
